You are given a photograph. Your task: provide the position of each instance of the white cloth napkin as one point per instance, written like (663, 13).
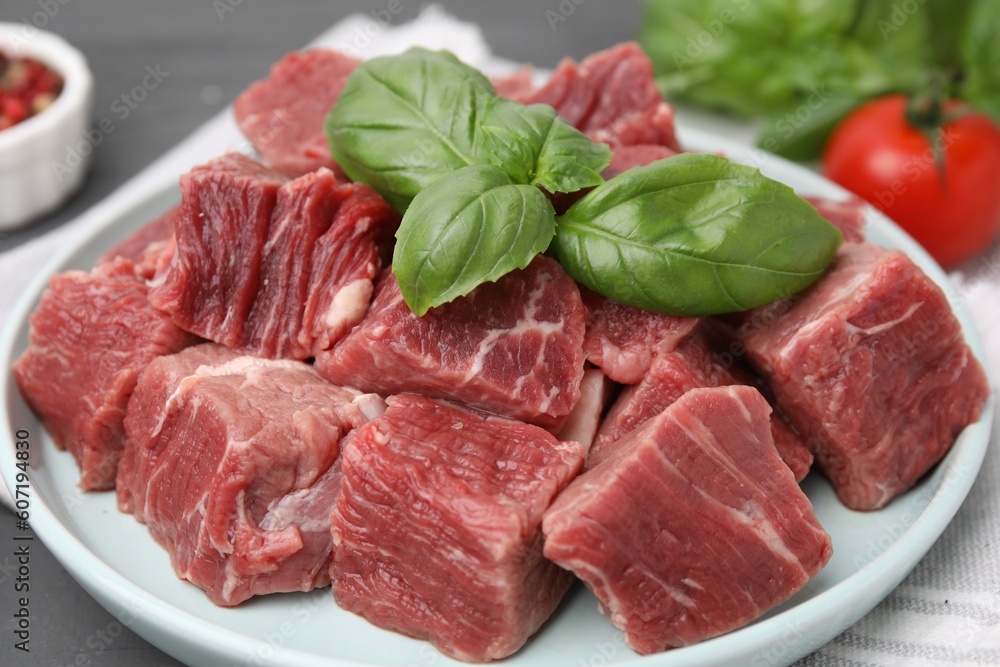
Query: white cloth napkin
(947, 612)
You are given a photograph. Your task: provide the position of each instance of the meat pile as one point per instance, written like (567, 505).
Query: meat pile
(244, 372)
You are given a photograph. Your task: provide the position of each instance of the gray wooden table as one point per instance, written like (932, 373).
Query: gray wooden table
(211, 51)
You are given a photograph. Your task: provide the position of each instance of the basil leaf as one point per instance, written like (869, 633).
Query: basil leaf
(402, 122)
(533, 145)
(949, 19)
(801, 132)
(897, 38)
(981, 55)
(749, 57)
(761, 57)
(569, 161)
(466, 229)
(694, 235)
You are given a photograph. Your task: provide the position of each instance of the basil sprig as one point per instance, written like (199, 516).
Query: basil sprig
(431, 136)
(689, 235)
(694, 234)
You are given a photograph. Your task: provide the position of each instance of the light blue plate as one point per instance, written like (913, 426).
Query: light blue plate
(114, 558)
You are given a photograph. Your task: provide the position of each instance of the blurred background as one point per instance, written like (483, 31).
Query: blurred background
(780, 73)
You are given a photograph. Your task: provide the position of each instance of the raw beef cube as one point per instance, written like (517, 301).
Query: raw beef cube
(692, 365)
(346, 259)
(150, 247)
(304, 258)
(611, 96)
(520, 81)
(870, 366)
(91, 336)
(436, 528)
(513, 347)
(231, 461)
(626, 157)
(692, 527)
(213, 277)
(847, 215)
(301, 215)
(623, 341)
(283, 115)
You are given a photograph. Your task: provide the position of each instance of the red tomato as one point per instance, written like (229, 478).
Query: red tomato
(878, 155)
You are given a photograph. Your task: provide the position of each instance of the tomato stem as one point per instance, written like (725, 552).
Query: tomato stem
(925, 112)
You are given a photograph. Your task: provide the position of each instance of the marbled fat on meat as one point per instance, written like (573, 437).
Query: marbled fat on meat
(436, 527)
(231, 461)
(302, 213)
(623, 341)
(346, 260)
(513, 347)
(279, 268)
(692, 527)
(585, 419)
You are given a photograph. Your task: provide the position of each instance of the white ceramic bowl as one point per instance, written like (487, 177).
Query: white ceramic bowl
(43, 159)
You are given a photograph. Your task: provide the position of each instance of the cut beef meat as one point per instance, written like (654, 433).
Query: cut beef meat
(519, 82)
(847, 215)
(213, 278)
(283, 115)
(627, 157)
(150, 247)
(345, 262)
(692, 527)
(436, 528)
(623, 341)
(581, 425)
(870, 366)
(512, 347)
(230, 460)
(693, 364)
(280, 268)
(791, 447)
(611, 96)
(301, 215)
(91, 336)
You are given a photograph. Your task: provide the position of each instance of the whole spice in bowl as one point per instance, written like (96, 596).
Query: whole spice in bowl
(46, 100)
(27, 87)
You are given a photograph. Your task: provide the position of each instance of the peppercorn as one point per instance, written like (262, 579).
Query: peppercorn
(27, 87)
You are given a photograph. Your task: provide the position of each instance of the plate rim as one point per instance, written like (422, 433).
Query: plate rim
(163, 622)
